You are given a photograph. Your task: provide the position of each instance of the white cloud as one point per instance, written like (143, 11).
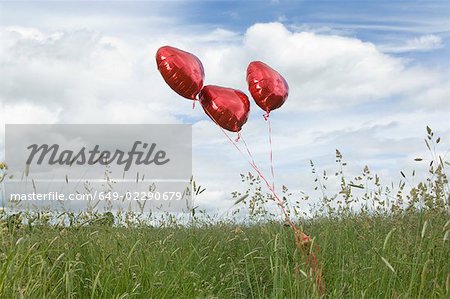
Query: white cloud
(20, 113)
(322, 29)
(323, 71)
(422, 43)
(87, 76)
(23, 113)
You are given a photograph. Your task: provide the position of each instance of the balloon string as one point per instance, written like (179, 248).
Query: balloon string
(279, 201)
(304, 238)
(300, 238)
(193, 103)
(238, 136)
(271, 151)
(249, 152)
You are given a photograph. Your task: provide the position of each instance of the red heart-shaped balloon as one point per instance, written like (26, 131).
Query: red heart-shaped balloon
(227, 107)
(181, 70)
(268, 88)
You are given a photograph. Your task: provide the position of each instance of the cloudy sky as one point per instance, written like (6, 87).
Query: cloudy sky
(365, 77)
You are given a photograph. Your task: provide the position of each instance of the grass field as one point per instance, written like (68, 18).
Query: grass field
(363, 257)
(395, 245)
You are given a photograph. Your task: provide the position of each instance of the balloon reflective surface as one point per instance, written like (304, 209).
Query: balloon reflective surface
(228, 107)
(181, 70)
(267, 87)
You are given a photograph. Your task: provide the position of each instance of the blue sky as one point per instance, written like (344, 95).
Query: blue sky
(366, 77)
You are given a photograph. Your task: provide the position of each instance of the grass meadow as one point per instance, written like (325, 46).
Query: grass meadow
(375, 240)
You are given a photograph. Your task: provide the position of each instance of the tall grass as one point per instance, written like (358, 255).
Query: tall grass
(363, 256)
(376, 241)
